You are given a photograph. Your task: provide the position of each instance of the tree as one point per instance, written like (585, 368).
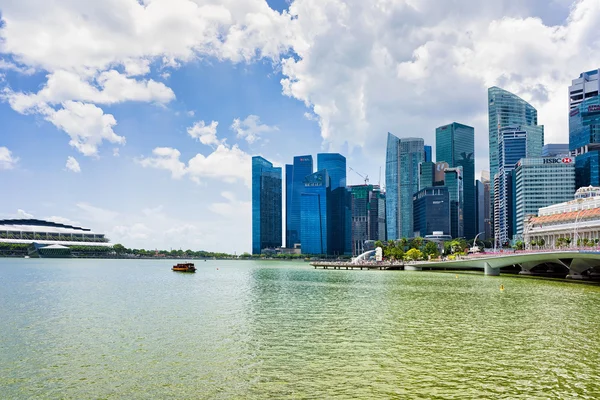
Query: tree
(519, 245)
(119, 248)
(414, 254)
(404, 243)
(431, 249)
(379, 243)
(416, 243)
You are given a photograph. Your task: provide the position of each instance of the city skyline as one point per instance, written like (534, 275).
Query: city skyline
(149, 137)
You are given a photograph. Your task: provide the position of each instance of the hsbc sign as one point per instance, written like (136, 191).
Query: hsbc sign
(564, 160)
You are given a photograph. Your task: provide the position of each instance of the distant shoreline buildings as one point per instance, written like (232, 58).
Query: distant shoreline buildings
(422, 196)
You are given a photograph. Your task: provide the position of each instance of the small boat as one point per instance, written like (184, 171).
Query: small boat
(185, 267)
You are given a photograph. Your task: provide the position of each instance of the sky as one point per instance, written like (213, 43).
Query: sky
(139, 118)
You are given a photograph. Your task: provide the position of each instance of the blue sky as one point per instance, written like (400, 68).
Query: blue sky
(138, 119)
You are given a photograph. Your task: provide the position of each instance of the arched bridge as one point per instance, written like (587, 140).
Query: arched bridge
(579, 264)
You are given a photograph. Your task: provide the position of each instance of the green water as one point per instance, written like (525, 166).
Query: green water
(108, 329)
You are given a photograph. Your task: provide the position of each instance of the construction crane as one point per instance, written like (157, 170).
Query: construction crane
(365, 177)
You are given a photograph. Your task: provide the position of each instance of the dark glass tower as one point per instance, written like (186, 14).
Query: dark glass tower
(294, 180)
(584, 127)
(340, 222)
(455, 144)
(432, 211)
(266, 205)
(315, 199)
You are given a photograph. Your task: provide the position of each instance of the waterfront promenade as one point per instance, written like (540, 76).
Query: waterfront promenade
(575, 264)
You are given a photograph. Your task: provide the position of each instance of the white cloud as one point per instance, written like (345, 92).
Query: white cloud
(206, 134)
(23, 214)
(62, 220)
(108, 87)
(86, 124)
(232, 208)
(191, 113)
(116, 152)
(250, 128)
(7, 160)
(367, 68)
(165, 158)
(229, 164)
(73, 165)
(97, 214)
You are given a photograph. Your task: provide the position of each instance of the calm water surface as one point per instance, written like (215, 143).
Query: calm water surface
(111, 329)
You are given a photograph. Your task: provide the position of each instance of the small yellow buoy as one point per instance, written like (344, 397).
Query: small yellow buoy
(456, 276)
(502, 288)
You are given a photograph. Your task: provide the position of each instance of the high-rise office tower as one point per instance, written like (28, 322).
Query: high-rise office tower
(455, 144)
(453, 180)
(366, 202)
(340, 222)
(584, 127)
(294, 186)
(403, 157)
(431, 211)
(335, 164)
(315, 213)
(512, 147)
(483, 206)
(427, 154)
(426, 174)
(507, 109)
(266, 205)
(541, 182)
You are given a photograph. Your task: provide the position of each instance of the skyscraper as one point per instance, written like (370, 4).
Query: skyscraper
(427, 154)
(512, 147)
(294, 180)
(340, 223)
(315, 213)
(402, 181)
(454, 182)
(483, 206)
(455, 144)
(584, 127)
(506, 109)
(335, 164)
(432, 211)
(266, 205)
(366, 201)
(541, 182)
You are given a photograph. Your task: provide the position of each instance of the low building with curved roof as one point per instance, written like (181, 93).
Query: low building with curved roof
(29, 231)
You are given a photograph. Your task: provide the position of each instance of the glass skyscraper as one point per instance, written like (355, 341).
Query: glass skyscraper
(335, 164)
(294, 186)
(266, 205)
(315, 199)
(403, 157)
(431, 211)
(506, 109)
(455, 144)
(512, 147)
(584, 127)
(454, 182)
(427, 154)
(340, 223)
